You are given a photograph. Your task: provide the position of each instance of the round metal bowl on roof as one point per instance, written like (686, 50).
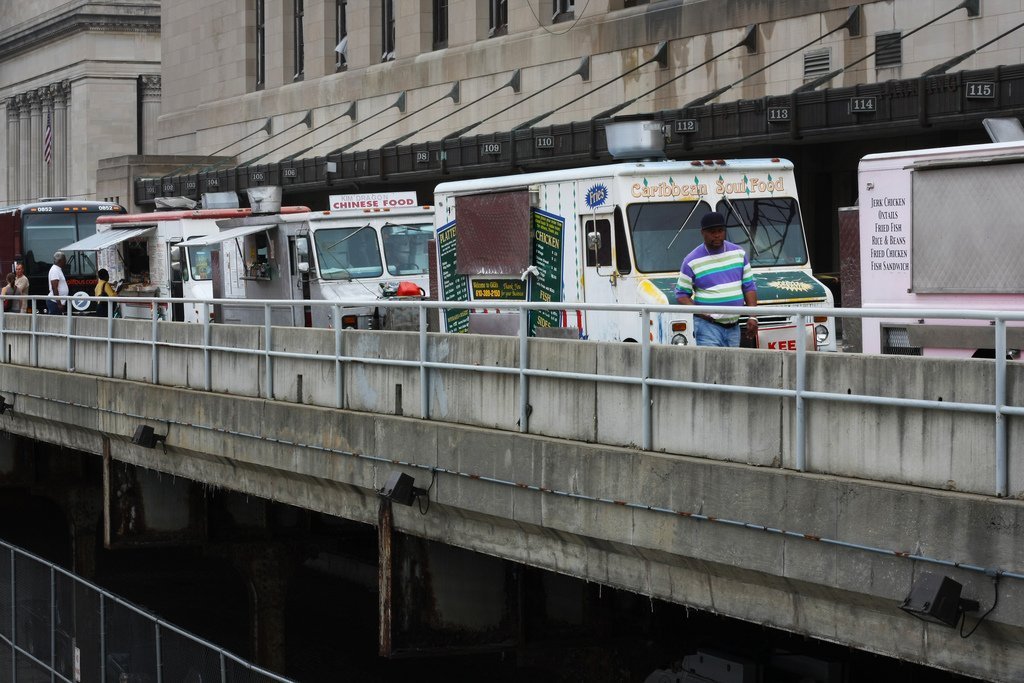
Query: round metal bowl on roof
(635, 139)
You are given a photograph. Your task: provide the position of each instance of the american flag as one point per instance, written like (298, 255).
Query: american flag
(48, 141)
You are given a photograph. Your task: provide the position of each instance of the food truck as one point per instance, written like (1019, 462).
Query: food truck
(142, 255)
(938, 230)
(369, 247)
(618, 234)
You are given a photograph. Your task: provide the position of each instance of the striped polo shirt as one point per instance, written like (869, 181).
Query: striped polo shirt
(716, 279)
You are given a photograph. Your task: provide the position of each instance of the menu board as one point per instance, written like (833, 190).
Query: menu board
(547, 256)
(454, 287)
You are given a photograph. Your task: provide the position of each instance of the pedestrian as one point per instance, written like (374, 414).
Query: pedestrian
(21, 285)
(103, 289)
(58, 285)
(7, 290)
(717, 273)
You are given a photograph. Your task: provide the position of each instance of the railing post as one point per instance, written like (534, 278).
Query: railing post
(207, 369)
(524, 358)
(53, 624)
(801, 371)
(159, 654)
(424, 375)
(1000, 403)
(110, 339)
(71, 343)
(14, 619)
(3, 331)
(339, 367)
(269, 363)
(646, 409)
(34, 352)
(154, 359)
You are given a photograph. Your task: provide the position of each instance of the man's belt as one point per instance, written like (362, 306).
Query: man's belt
(704, 316)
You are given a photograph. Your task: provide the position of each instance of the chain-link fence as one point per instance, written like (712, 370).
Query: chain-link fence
(55, 626)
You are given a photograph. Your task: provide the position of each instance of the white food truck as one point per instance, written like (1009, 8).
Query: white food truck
(618, 234)
(361, 252)
(938, 229)
(141, 253)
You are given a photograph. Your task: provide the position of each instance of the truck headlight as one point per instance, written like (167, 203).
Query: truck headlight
(821, 334)
(680, 340)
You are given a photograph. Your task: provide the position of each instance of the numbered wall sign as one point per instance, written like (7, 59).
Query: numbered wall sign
(544, 141)
(686, 126)
(490, 148)
(980, 90)
(778, 114)
(422, 157)
(863, 105)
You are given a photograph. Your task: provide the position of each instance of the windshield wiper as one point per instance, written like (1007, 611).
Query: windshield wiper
(680, 230)
(746, 230)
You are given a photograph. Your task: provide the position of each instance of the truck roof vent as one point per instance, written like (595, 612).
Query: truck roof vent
(635, 139)
(265, 199)
(174, 203)
(220, 200)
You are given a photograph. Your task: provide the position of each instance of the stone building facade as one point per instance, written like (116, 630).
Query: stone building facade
(79, 82)
(331, 74)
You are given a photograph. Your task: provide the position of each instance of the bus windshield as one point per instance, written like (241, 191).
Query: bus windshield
(46, 233)
(406, 248)
(348, 253)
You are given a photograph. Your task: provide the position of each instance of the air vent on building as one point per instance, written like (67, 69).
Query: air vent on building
(817, 63)
(888, 49)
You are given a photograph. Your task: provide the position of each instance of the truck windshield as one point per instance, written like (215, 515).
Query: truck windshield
(348, 253)
(406, 248)
(664, 233)
(773, 223)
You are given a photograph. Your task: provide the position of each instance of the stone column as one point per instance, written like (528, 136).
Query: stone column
(35, 105)
(13, 144)
(24, 151)
(61, 97)
(150, 113)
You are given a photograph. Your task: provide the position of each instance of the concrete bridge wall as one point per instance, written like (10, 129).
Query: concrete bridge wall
(701, 528)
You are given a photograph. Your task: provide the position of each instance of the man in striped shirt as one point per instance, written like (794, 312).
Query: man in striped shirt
(717, 273)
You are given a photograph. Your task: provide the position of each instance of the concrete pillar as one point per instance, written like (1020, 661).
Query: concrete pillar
(24, 151)
(267, 568)
(150, 113)
(13, 145)
(35, 105)
(61, 97)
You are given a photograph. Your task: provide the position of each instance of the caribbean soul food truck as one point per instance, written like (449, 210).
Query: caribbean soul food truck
(141, 253)
(939, 229)
(370, 247)
(618, 234)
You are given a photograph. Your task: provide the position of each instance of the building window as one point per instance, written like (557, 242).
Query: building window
(297, 46)
(261, 44)
(817, 63)
(387, 26)
(563, 10)
(498, 20)
(340, 34)
(440, 23)
(888, 49)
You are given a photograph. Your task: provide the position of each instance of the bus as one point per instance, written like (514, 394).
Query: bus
(33, 231)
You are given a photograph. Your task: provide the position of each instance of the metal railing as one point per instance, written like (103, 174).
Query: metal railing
(56, 626)
(799, 394)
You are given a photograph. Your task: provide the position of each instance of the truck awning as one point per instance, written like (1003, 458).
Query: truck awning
(226, 235)
(107, 238)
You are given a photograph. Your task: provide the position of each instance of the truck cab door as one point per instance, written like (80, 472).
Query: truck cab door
(606, 260)
(299, 260)
(175, 275)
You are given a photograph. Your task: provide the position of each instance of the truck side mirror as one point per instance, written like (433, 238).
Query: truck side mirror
(303, 267)
(594, 240)
(176, 257)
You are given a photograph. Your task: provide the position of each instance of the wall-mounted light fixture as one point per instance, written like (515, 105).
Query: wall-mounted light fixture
(4, 405)
(400, 488)
(147, 438)
(937, 599)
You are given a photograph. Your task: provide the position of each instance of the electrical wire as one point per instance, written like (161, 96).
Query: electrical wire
(995, 601)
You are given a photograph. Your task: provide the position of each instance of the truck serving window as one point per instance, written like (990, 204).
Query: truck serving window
(767, 228)
(200, 262)
(664, 233)
(348, 253)
(406, 248)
